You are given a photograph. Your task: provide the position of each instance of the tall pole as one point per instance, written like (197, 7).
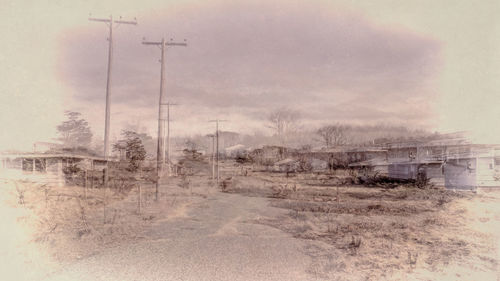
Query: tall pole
(217, 145)
(160, 147)
(108, 88)
(213, 157)
(110, 22)
(168, 104)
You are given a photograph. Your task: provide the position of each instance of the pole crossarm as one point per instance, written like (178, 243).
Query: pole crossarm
(102, 20)
(125, 22)
(134, 22)
(164, 43)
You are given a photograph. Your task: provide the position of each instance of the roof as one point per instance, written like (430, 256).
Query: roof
(370, 162)
(351, 149)
(286, 161)
(52, 155)
(384, 162)
(235, 147)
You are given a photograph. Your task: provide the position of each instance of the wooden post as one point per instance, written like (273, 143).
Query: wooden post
(106, 175)
(92, 174)
(104, 195)
(85, 186)
(34, 164)
(139, 203)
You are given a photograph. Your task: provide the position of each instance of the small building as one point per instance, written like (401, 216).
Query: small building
(269, 154)
(235, 151)
(477, 166)
(318, 165)
(286, 165)
(452, 163)
(50, 167)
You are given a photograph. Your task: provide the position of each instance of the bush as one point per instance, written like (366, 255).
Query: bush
(383, 181)
(422, 181)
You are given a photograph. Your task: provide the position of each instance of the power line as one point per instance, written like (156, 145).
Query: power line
(160, 147)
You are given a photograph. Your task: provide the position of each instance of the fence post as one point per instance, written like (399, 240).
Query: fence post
(104, 194)
(139, 203)
(85, 186)
(92, 174)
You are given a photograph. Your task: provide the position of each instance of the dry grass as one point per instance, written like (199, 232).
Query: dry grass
(372, 233)
(70, 222)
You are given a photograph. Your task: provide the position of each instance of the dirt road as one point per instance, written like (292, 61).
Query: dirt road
(217, 239)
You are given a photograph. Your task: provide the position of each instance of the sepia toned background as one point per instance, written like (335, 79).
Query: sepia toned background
(422, 64)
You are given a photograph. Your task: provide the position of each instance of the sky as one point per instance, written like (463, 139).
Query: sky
(422, 64)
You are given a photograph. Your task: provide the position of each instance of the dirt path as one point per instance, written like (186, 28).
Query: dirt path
(217, 239)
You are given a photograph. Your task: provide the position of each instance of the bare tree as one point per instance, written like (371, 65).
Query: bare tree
(283, 121)
(333, 135)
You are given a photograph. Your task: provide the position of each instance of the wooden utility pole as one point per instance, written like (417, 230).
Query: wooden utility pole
(168, 104)
(213, 155)
(110, 22)
(160, 148)
(217, 145)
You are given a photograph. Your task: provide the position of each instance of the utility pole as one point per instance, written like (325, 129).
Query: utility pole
(213, 155)
(160, 148)
(168, 104)
(217, 144)
(110, 22)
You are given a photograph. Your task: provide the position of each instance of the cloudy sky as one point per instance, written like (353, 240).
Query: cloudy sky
(426, 64)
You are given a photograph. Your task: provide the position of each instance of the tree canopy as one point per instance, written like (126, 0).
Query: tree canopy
(75, 131)
(134, 149)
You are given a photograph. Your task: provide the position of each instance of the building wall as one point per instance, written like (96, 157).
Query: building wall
(460, 174)
(486, 174)
(402, 171)
(431, 152)
(402, 153)
(435, 172)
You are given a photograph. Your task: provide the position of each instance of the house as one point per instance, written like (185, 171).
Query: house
(286, 165)
(318, 165)
(270, 154)
(470, 167)
(235, 151)
(49, 167)
(453, 163)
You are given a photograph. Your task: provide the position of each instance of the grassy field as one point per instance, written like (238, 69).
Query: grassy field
(359, 232)
(71, 222)
(373, 233)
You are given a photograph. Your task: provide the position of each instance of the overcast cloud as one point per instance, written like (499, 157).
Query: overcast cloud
(244, 60)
